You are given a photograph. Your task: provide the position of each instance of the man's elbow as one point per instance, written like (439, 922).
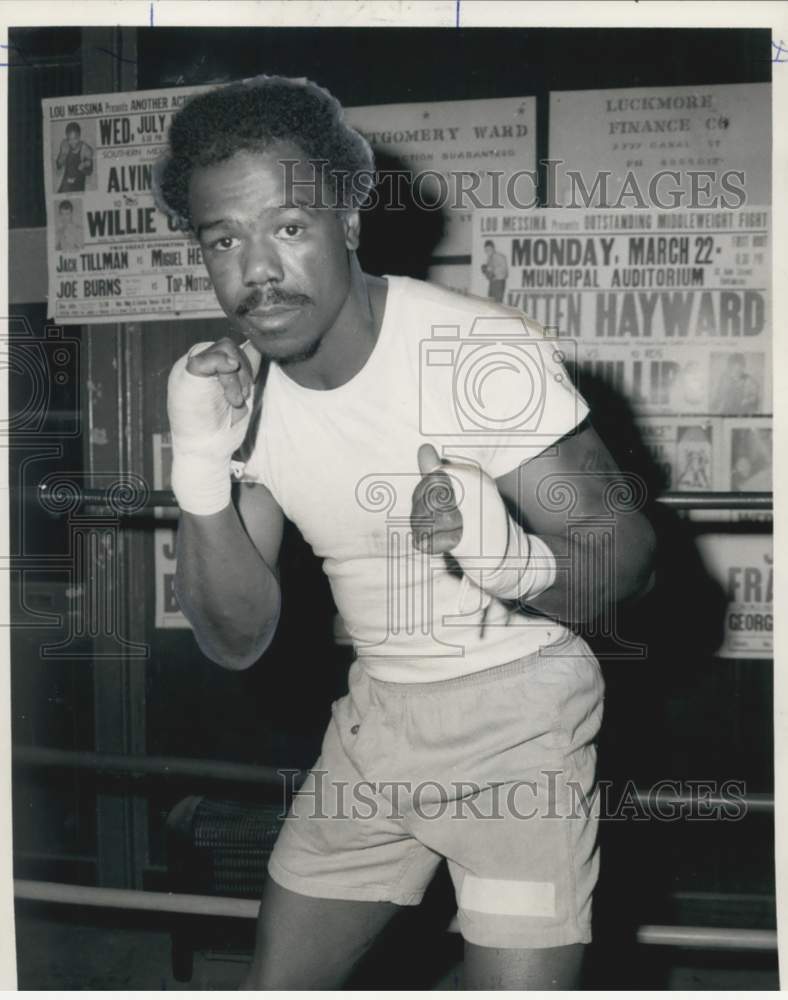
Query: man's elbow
(223, 639)
(238, 655)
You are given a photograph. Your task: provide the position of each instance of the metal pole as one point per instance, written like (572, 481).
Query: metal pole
(141, 766)
(134, 899)
(755, 802)
(686, 501)
(711, 938)
(717, 501)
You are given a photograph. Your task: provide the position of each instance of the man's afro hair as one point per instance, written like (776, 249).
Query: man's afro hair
(215, 125)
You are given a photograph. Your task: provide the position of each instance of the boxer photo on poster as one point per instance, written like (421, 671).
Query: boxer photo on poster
(74, 162)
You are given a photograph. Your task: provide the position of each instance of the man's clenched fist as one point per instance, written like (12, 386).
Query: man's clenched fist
(235, 369)
(207, 396)
(435, 518)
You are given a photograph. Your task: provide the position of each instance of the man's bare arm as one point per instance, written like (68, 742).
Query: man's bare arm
(226, 580)
(581, 466)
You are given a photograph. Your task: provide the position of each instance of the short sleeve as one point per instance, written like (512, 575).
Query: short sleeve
(514, 394)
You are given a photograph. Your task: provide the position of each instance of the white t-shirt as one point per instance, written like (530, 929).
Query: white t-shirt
(475, 379)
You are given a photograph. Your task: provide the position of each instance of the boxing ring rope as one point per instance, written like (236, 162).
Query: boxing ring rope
(707, 938)
(147, 500)
(141, 766)
(136, 899)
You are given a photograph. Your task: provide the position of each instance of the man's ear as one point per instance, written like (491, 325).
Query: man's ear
(351, 222)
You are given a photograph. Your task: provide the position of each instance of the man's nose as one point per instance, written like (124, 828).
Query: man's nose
(262, 263)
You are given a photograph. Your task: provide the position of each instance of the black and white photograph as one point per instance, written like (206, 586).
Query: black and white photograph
(365, 365)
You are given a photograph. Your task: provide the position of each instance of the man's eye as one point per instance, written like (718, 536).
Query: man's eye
(224, 243)
(291, 230)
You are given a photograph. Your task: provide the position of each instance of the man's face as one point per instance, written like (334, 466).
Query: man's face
(280, 267)
(66, 215)
(73, 139)
(489, 251)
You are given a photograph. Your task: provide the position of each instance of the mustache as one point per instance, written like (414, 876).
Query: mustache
(272, 297)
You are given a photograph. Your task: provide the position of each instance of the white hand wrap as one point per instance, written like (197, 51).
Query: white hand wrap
(494, 551)
(203, 438)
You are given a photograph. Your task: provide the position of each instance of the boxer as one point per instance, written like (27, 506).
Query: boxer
(471, 694)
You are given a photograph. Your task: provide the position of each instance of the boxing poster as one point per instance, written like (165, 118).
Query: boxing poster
(692, 379)
(742, 564)
(670, 149)
(685, 451)
(671, 309)
(711, 454)
(665, 139)
(642, 277)
(112, 255)
(167, 612)
(745, 464)
(747, 454)
(451, 158)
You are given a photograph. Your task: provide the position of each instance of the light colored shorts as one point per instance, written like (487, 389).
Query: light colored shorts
(493, 771)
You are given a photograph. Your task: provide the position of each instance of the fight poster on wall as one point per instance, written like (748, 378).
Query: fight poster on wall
(686, 451)
(678, 150)
(743, 565)
(453, 156)
(717, 454)
(167, 612)
(671, 310)
(656, 140)
(644, 278)
(747, 454)
(112, 255)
